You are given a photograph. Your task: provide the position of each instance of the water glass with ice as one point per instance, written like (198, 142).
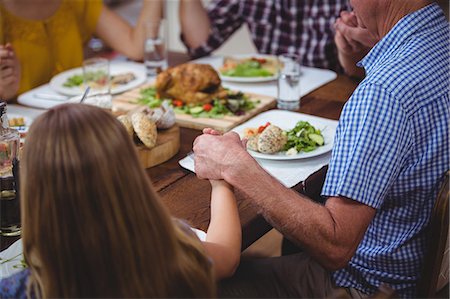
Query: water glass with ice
(288, 95)
(155, 47)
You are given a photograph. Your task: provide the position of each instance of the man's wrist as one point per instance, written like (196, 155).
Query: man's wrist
(238, 172)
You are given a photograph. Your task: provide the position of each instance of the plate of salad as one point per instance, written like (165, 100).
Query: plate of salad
(236, 103)
(301, 135)
(123, 76)
(249, 68)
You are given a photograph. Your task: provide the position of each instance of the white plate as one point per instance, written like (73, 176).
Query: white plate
(10, 259)
(138, 69)
(287, 120)
(22, 129)
(249, 79)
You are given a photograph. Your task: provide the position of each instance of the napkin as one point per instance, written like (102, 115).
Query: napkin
(31, 98)
(287, 172)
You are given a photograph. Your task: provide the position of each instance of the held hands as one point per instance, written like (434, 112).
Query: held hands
(352, 40)
(9, 72)
(215, 154)
(220, 184)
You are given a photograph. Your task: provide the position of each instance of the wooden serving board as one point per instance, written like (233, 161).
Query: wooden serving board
(127, 101)
(167, 145)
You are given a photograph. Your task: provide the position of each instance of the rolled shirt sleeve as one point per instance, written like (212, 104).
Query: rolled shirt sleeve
(225, 18)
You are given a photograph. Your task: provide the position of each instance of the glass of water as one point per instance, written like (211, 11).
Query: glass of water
(96, 75)
(155, 50)
(288, 95)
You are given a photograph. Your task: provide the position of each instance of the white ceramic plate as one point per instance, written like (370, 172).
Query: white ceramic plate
(249, 79)
(10, 259)
(286, 120)
(22, 129)
(138, 69)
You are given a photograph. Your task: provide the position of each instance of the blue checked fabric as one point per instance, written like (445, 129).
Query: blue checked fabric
(392, 148)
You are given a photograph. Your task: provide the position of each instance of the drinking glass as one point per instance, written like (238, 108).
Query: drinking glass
(9, 195)
(155, 48)
(96, 75)
(288, 94)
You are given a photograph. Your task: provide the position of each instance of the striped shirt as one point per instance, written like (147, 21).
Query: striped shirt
(301, 27)
(392, 148)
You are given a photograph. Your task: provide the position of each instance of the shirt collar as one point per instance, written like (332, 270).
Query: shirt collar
(402, 31)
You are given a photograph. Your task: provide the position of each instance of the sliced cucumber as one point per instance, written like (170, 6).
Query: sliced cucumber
(195, 110)
(317, 139)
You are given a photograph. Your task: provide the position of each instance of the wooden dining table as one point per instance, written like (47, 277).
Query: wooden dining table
(188, 197)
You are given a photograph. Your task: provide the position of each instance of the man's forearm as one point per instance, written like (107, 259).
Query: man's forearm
(195, 24)
(305, 222)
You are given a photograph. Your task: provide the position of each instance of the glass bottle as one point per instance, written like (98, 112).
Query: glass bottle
(9, 199)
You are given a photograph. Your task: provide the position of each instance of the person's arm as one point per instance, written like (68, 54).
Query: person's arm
(203, 31)
(121, 36)
(224, 237)
(9, 73)
(326, 232)
(194, 21)
(352, 42)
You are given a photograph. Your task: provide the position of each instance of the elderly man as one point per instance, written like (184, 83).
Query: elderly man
(390, 151)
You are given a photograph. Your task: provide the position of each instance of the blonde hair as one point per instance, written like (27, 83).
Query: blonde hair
(92, 224)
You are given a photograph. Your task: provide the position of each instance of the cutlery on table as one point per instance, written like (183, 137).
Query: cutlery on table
(50, 96)
(85, 94)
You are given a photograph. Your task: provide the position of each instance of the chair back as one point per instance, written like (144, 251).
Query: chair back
(438, 233)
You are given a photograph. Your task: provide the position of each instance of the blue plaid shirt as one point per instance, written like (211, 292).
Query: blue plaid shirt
(392, 148)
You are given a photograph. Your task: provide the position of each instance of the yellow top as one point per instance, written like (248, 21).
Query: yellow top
(48, 47)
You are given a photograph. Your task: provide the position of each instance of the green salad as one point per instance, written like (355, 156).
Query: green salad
(303, 138)
(237, 103)
(77, 79)
(251, 68)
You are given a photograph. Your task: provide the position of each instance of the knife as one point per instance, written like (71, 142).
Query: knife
(50, 96)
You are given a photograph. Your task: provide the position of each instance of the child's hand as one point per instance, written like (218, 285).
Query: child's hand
(220, 183)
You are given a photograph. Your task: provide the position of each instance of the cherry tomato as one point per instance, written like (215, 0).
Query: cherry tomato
(262, 128)
(177, 103)
(259, 60)
(207, 107)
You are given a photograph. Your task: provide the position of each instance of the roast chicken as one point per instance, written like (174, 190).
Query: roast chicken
(191, 83)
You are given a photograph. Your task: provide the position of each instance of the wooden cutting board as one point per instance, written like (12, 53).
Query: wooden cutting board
(167, 145)
(127, 101)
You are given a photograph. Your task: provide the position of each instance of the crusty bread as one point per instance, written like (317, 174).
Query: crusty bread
(271, 140)
(125, 120)
(252, 142)
(145, 128)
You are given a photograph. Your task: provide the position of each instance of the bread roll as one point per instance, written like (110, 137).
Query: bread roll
(271, 140)
(145, 128)
(125, 120)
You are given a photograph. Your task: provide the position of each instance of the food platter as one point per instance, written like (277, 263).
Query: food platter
(286, 120)
(129, 101)
(116, 68)
(249, 79)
